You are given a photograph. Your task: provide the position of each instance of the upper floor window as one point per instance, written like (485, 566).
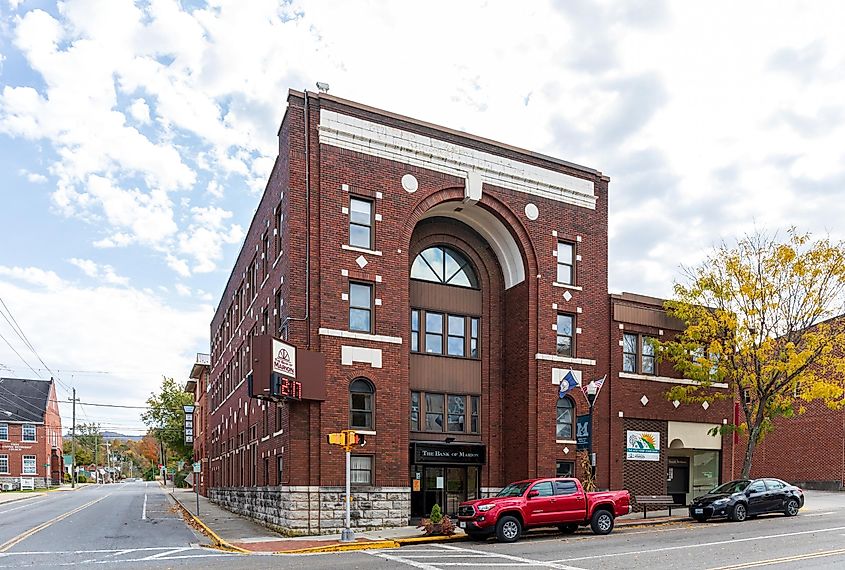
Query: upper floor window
(4, 431)
(415, 330)
(445, 412)
(361, 404)
(638, 354)
(28, 432)
(360, 223)
(441, 264)
(360, 307)
(439, 333)
(565, 265)
(564, 335)
(565, 419)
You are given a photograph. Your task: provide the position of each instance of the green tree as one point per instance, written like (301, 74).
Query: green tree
(87, 438)
(760, 316)
(165, 418)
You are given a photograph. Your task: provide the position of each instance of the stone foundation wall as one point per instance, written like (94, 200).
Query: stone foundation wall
(40, 482)
(298, 510)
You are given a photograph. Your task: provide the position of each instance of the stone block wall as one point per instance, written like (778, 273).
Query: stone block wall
(301, 510)
(15, 482)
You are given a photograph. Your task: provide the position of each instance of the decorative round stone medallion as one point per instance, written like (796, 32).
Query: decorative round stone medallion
(531, 211)
(409, 183)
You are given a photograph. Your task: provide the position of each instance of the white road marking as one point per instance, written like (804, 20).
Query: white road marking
(700, 545)
(448, 556)
(168, 553)
(819, 514)
(144, 510)
(22, 506)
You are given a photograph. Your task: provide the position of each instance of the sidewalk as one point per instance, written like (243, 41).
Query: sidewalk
(234, 532)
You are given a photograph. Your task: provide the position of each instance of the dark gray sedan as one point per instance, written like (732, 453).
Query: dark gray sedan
(743, 498)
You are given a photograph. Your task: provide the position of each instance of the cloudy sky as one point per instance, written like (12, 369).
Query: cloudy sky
(136, 137)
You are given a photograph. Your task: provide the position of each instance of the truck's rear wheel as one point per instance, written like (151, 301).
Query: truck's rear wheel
(508, 529)
(602, 522)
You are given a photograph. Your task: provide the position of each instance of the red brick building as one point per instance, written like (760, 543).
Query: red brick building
(197, 385)
(448, 280)
(30, 433)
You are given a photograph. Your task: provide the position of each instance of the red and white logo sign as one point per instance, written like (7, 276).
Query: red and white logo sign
(284, 358)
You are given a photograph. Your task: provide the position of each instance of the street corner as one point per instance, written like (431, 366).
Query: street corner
(318, 546)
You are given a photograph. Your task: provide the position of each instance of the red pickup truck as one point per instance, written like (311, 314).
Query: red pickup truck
(542, 502)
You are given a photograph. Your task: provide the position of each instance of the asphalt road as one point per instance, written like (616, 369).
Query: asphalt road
(109, 525)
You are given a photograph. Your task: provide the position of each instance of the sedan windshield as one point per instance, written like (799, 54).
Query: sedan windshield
(731, 487)
(514, 489)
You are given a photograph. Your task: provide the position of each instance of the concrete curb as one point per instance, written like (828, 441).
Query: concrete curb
(218, 541)
(33, 496)
(371, 545)
(424, 539)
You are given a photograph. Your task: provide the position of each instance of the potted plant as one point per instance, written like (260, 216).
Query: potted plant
(437, 524)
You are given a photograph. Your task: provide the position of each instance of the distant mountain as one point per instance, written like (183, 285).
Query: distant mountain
(110, 435)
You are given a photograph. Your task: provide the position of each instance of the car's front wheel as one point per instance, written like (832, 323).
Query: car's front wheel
(602, 522)
(567, 528)
(739, 513)
(791, 508)
(508, 529)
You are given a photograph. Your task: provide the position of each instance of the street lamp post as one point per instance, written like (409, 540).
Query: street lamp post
(592, 390)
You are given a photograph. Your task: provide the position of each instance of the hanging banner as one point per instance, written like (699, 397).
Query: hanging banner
(583, 432)
(643, 446)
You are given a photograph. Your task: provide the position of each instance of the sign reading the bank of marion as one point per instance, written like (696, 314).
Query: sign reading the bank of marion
(284, 358)
(643, 446)
(446, 453)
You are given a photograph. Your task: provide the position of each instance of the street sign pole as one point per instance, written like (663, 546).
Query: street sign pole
(348, 535)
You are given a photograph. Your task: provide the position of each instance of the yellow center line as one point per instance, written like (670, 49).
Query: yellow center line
(783, 560)
(26, 534)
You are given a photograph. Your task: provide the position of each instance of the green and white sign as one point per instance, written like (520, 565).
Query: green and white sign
(643, 446)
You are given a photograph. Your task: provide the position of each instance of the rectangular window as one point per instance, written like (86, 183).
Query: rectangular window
(4, 463)
(256, 281)
(564, 335)
(415, 330)
(564, 468)
(265, 244)
(360, 307)
(457, 336)
(28, 432)
(474, 417)
(648, 355)
(29, 467)
(629, 352)
(434, 412)
(415, 411)
(434, 333)
(360, 223)
(279, 218)
(361, 470)
(457, 414)
(473, 337)
(278, 310)
(565, 258)
(280, 465)
(4, 432)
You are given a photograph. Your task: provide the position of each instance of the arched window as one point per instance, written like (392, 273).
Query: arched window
(441, 264)
(361, 404)
(565, 417)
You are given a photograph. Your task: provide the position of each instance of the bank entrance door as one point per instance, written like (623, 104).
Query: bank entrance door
(445, 475)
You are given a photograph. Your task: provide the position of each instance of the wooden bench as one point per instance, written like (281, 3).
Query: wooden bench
(656, 500)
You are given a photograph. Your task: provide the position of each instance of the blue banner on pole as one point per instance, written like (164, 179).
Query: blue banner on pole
(583, 432)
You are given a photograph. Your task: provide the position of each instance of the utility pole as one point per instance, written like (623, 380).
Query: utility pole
(73, 445)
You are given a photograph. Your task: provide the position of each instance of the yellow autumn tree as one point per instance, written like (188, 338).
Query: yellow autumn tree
(762, 316)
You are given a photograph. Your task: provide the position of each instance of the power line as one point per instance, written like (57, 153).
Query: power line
(22, 335)
(19, 355)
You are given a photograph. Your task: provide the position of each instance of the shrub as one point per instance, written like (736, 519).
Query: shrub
(66, 478)
(82, 478)
(437, 524)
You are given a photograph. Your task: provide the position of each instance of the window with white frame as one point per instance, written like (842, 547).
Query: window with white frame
(565, 263)
(28, 432)
(361, 470)
(4, 464)
(360, 223)
(29, 467)
(4, 432)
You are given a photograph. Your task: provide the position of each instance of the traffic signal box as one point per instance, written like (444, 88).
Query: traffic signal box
(347, 439)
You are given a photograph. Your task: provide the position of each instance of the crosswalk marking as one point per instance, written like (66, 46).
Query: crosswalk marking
(439, 556)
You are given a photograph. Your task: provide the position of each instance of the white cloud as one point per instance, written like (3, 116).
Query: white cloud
(140, 111)
(105, 272)
(154, 337)
(205, 236)
(33, 276)
(33, 177)
(182, 290)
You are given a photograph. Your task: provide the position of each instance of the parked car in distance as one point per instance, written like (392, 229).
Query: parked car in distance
(541, 503)
(743, 498)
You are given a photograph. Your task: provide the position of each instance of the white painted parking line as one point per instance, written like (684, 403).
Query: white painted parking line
(144, 510)
(701, 545)
(440, 556)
